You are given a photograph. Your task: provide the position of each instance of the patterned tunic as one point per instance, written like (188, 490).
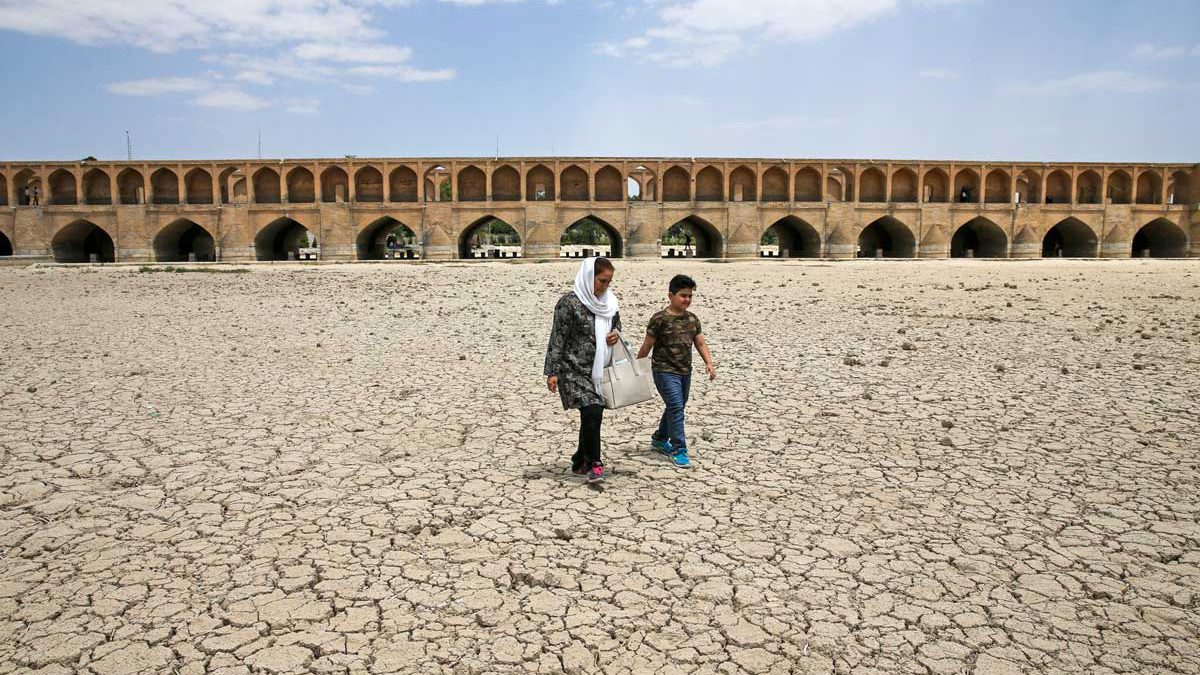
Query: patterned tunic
(572, 350)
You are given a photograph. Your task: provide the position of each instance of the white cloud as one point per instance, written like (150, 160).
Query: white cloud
(1113, 81)
(476, 3)
(255, 77)
(404, 73)
(302, 106)
(1149, 51)
(781, 123)
(938, 74)
(155, 86)
(352, 53)
(230, 98)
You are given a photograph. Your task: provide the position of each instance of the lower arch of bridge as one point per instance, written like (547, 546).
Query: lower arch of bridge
(79, 241)
(1160, 238)
(704, 239)
(279, 238)
(488, 234)
(795, 238)
(593, 235)
(177, 241)
(979, 238)
(6, 247)
(888, 238)
(383, 235)
(1070, 238)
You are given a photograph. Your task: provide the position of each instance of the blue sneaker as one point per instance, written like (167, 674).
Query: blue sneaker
(663, 447)
(680, 459)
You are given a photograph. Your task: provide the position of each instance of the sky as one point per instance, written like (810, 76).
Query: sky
(988, 80)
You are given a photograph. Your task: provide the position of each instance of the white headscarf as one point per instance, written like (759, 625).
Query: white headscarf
(604, 308)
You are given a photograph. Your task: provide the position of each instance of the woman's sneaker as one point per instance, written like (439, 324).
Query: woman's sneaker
(596, 474)
(680, 459)
(664, 447)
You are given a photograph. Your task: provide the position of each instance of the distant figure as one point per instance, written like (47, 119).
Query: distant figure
(687, 245)
(37, 195)
(28, 196)
(965, 194)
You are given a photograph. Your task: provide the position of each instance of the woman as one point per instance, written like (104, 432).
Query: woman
(586, 322)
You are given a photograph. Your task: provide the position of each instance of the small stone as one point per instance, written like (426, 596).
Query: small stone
(31, 389)
(908, 346)
(947, 424)
(946, 441)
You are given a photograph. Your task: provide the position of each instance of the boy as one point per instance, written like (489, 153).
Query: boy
(671, 333)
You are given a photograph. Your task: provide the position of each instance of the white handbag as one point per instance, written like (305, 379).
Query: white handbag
(626, 381)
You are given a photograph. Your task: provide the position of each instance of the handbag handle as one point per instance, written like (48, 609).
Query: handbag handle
(628, 354)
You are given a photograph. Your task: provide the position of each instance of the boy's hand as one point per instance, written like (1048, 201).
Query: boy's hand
(552, 384)
(712, 371)
(612, 338)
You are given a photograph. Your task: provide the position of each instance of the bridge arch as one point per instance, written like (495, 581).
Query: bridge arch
(979, 238)
(62, 188)
(676, 184)
(1058, 187)
(703, 237)
(301, 186)
(335, 182)
(966, 186)
(26, 179)
(904, 185)
(279, 238)
(539, 184)
(372, 243)
(368, 185)
(872, 186)
(1179, 188)
(3, 190)
(266, 187)
(506, 184)
(472, 184)
(795, 237)
(710, 185)
(96, 188)
(80, 240)
(774, 185)
(1029, 187)
(403, 184)
(1159, 238)
(489, 233)
(937, 186)
(1149, 187)
(198, 186)
(1120, 187)
(182, 237)
(164, 186)
(886, 237)
(574, 181)
(129, 183)
(1087, 188)
(743, 185)
(610, 186)
(593, 233)
(6, 247)
(808, 185)
(997, 188)
(1069, 238)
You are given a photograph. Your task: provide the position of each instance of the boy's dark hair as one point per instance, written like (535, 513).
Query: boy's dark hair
(680, 282)
(602, 265)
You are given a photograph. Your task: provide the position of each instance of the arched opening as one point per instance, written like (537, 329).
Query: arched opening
(223, 181)
(6, 248)
(840, 181)
(808, 185)
(775, 185)
(790, 237)
(82, 241)
(3, 190)
(1029, 187)
(387, 239)
(641, 185)
(743, 186)
(164, 186)
(472, 185)
(506, 184)
(368, 185)
(96, 188)
(676, 184)
(588, 237)
(886, 238)
(184, 241)
(633, 190)
(282, 240)
(301, 186)
(28, 187)
(1058, 187)
(904, 185)
(872, 186)
(1160, 238)
(335, 185)
(1179, 189)
(197, 185)
(1149, 188)
(1088, 188)
(490, 237)
(979, 238)
(608, 184)
(130, 186)
(403, 186)
(266, 188)
(574, 184)
(709, 185)
(62, 188)
(1070, 238)
(997, 188)
(1120, 187)
(966, 187)
(539, 184)
(692, 237)
(937, 186)
(437, 184)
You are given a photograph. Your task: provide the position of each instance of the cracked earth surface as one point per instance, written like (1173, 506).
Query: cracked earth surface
(937, 467)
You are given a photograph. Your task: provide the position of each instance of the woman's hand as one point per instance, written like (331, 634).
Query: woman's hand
(612, 338)
(552, 384)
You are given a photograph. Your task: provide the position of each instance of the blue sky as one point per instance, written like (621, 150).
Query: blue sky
(965, 79)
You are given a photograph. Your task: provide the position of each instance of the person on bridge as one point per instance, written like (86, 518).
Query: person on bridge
(586, 322)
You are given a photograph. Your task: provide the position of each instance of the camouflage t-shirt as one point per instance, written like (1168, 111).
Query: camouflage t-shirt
(673, 338)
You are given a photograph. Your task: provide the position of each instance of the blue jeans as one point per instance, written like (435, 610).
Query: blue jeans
(674, 390)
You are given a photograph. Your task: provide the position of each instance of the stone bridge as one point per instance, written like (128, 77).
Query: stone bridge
(259, 210)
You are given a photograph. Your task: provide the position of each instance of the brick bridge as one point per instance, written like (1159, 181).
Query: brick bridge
(259, 210)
